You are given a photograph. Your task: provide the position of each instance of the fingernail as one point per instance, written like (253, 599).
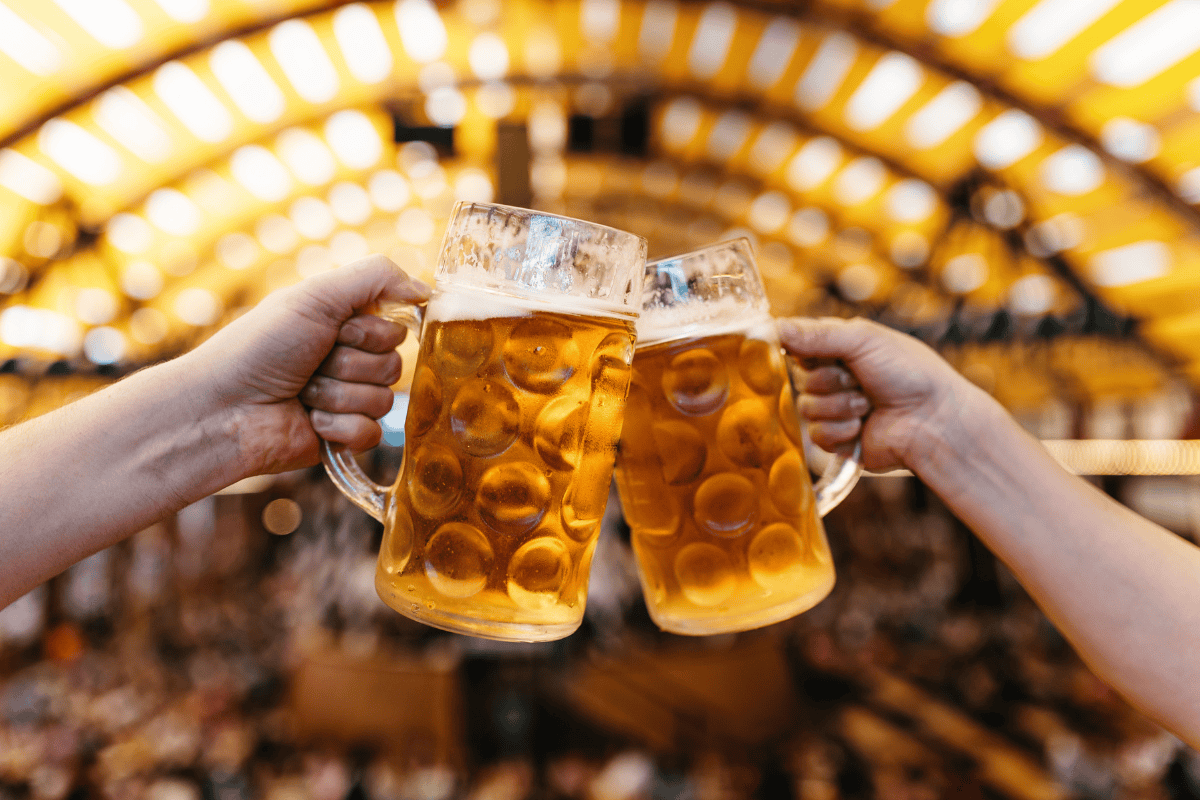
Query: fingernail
(321, 418)
(353, 335)
(420, 285)
(859, 405)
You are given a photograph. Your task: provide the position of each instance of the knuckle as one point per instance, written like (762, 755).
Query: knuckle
(313, 392)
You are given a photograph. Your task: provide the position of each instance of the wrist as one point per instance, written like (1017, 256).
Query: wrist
(210, 429)
(963, 418)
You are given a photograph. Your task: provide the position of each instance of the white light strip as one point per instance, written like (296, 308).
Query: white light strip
(247, 82)
(680, 121)
(728, 135)
(958, 17)
(599, 20)
(307, 156)
(260, 172)
(894, 78)
(173, 212)
(421, 30)
(710, 43)
(300, 54)
(658, 29)
(944, 115)
(1050, 24)
(814, 163)
(29, 179)
(192, 102)
(79, 152)
(1127, 456)
(826, 71)
(112, 23)
(774, 52)
(184, 10)
(362, 42)
(860, 180)
(1160, 457)
(1131, 263)
(1007, 139)
(21, 42)
(123, 116)
(774, 144)
(1151, 45)
(354, 139)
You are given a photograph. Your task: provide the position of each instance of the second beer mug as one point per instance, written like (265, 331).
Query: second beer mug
(512, 426)
(726, 525)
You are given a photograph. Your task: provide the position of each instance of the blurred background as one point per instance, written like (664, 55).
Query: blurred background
(1013, 181)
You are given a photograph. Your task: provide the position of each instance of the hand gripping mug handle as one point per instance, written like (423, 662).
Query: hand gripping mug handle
(339, 462)
(841, 472)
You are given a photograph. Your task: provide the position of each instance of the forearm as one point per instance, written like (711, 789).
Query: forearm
(81, 478)
(1124, 591)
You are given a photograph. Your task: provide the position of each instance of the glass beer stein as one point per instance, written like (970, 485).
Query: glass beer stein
(725, 522)
(513, 421)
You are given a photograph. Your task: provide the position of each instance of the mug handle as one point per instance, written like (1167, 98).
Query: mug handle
(842, 470)
(339, 462)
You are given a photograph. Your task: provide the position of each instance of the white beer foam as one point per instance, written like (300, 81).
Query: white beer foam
(692, 320)
(457, 302)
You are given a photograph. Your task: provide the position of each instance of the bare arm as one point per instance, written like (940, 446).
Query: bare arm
(1123, 590)
(250, 400)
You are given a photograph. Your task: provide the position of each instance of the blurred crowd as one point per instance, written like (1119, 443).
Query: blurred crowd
(208, 658)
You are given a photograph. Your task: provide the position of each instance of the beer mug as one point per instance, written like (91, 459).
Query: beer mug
(512, 427)
(725, 522)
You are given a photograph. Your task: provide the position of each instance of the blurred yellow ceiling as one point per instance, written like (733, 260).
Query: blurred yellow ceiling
(977, 171)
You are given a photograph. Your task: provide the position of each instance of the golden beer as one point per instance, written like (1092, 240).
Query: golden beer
(714, 486)
(512, 428)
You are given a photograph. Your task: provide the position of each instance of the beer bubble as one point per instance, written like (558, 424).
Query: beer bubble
(537, 573)
(618, 346)
(458, 559)
(398, 540)
(558, 432)
(582, 507)
(747, 433)
(425, 404)
(818, 547)
(513, 497)
(776, 557)
(761, 365)
(787, 482)
(789, 418)
(696, 382)
(435, 480)
(705, 574)
(463, 347)
(653, 585)
(586, 498)
(485, 417)
(726, 505)
(681, 451)
(540, 354)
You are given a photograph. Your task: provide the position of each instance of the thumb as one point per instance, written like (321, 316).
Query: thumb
(340, 293)
(826, 337)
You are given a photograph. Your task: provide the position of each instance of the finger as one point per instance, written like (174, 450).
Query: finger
(827, 337)
(371, 333)
(832, 434)
(357, 432)
(339, 293)
(840, 406)
(358, 366)
(829, 379)
(340, 397)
